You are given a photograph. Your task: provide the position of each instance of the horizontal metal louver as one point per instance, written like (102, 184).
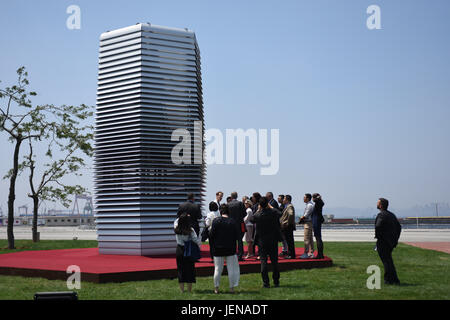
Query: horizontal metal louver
(149, 84)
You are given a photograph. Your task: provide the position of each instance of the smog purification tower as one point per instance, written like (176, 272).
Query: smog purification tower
(149, 84)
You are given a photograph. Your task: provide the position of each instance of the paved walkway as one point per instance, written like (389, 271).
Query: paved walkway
(438, 246)
(408, 235)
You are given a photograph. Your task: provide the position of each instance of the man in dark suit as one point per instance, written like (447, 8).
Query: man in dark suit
(194, 211)
(255, 200)
(281, 202)
(267, 222)
(284, 251)
(272, 201)
(387, 232)
(238, 213)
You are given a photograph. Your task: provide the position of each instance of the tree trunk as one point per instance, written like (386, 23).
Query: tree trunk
(12, 194)
(35, 218)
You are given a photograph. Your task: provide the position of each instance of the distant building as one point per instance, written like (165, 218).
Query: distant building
(53, 220)
(72, 220)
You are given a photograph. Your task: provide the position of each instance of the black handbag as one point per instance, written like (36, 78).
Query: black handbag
(191, 251)
(205, 234)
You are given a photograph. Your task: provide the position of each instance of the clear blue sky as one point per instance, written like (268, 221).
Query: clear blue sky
(362, 113)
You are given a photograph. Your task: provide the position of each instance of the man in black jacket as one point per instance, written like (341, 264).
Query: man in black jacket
(272, 201)
(237, 213)
(194, 211)
(223, 237)
(281, 202)
(317, 220)
(268, 235)
(387, 232)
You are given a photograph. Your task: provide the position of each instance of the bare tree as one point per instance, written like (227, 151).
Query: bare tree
(22, 121)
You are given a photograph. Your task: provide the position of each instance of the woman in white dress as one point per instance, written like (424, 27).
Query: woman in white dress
(248, 237)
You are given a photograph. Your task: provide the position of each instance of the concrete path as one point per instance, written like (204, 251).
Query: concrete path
(438, 246)
(408, 235)
(51, 233)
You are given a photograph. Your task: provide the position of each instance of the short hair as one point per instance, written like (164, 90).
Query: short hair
(213, 206)
(384, 203)
(218, 192)
(281, 196)
(228, 199)
(190, 196)
(234, 195)
(223, 209)
(308, 196)
(270, 193)
(263, 202)
(288, 197)
(256, 196)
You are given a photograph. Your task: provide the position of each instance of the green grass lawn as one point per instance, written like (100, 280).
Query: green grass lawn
(424, 274)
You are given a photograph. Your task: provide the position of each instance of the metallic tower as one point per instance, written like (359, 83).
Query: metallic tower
(149, 84)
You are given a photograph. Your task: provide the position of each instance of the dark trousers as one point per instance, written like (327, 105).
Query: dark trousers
(271, 251)
(385, 253)
(289, 236)
(185, 267)
(240, 247)
(317, 229)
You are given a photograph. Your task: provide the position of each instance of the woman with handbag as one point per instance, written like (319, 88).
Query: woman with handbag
(185, 265)
(224, 236)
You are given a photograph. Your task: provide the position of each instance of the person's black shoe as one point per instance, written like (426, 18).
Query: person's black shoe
(289, 257)
(283, 253)
(276, 285)
(241, 259)
(266, 285)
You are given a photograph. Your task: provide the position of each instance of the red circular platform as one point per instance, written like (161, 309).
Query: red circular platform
(100, 268)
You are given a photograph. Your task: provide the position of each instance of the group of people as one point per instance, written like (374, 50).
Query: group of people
(260, 221)
(263, 222)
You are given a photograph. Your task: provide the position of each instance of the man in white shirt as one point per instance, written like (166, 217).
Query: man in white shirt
(219, 196)
(306, 219)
